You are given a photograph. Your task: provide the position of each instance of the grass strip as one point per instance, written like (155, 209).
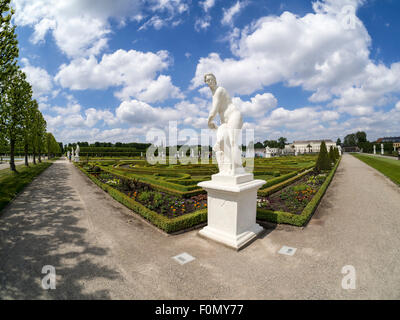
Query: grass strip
(12, 183)
(388, 167)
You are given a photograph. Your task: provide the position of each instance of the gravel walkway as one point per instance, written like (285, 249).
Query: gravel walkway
(100, 251)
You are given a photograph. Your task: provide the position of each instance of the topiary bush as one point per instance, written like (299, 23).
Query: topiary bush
(323, 161)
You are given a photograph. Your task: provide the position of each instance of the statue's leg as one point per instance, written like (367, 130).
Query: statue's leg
(235, 124)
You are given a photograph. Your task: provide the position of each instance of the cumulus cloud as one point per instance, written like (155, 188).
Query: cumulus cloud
(135, 71)
(320, 52)
(41, 81)
(258, 105)
(139, 112)
(80, 28)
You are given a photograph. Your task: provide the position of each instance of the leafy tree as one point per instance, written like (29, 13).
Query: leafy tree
(27, 119)
(309, 147)
(350, 140)
(15, 98)
(282, 142)
(39, 132)
(258, 145)
(361, 137)
(8, 45)
(53, 147)
(271, 144)
(323, 161)
(338, 142)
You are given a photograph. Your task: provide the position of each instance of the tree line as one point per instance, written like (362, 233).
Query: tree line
(22, 125)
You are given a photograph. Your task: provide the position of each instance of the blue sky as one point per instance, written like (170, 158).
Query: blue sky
(113, 70)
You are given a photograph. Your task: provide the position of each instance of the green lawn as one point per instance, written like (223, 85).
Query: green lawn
(389, 167)
(12, 183)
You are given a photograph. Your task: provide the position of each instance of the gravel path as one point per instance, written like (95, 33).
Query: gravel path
(100, 251)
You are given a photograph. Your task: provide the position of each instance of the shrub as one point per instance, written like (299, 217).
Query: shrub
(332, 155)
(323, 161)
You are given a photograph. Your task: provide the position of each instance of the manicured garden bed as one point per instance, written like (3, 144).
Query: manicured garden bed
(168, 195)
(308, 201)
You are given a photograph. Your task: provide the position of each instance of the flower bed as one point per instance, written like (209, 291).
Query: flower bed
(160, 202)
(172, 224)
(277, 216)
(295, 197)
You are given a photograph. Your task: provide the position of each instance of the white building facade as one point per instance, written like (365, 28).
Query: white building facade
(308, 146)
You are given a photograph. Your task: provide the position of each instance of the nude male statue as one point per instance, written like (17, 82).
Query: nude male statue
(226, 149)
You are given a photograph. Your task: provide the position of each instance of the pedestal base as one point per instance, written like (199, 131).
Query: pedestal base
(76, 159)
(232, 209)
(233, 241)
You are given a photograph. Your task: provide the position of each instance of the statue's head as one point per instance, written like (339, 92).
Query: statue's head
(210, 79)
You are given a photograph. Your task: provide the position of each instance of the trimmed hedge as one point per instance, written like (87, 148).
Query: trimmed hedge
(279, 179)
(280, 185)
(161, 185)
(162, 222)
(303, 218)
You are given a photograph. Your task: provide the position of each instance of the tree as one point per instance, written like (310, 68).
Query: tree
(332, 155)
(350, 140)
(309, 148)
(12, 110)
(8, 66)
(282, 142)
(338, 142)
(39, 132)
(323, 161)
(361, 137)
(53, 147)
(27, 119)
(271, 144)
(8, 45)
(258, 145)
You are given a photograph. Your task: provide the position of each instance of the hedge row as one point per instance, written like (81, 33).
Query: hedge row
(303, 218)
(279, 179)
(160, 185)
(280, 185)
(162, 222)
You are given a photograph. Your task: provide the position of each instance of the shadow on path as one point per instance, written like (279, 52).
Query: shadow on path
(45, 225)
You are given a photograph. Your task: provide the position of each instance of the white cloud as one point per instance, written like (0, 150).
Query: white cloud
(202, 23)
(317, 52)
(70, 109)
(257, 106)
(41, 81)
(135, 71)
(207, 4)
(81, 28)
(139, 112)
(233, 11)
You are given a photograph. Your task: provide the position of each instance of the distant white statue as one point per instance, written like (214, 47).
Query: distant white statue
(73, 153)
(77, 150)
(226, 148)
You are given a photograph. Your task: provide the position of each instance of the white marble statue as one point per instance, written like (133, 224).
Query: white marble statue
(226, 148)
(382, 150)
(73, 153)
(77, 151)
(374, 149)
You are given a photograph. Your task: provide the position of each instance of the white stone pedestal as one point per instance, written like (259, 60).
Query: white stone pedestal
(232, 208)
(76, 159)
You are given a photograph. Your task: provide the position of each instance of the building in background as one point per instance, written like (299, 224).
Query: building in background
(308, 146)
